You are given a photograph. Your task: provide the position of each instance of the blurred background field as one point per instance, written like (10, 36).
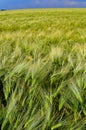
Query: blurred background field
(43, 69)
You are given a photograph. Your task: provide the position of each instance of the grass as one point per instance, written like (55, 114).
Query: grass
(43, 69)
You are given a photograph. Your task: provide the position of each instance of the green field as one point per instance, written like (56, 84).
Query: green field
(43, 69)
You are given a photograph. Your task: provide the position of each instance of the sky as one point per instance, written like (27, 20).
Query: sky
(19, 4)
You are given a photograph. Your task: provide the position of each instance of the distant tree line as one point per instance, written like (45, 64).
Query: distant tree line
(2, 9)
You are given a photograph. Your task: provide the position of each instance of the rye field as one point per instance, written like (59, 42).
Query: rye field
(43, 69)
